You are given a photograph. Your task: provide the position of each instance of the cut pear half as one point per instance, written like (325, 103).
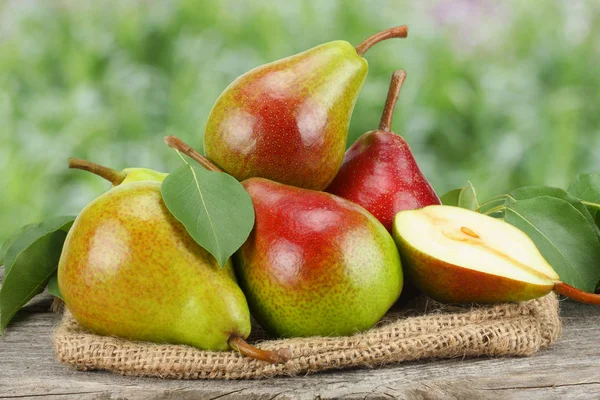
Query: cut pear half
(456, 255)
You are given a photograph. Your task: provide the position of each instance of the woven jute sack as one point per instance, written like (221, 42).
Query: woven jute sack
(432, 331)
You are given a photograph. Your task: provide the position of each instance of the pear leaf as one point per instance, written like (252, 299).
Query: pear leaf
(530, 192)
(587, 189)
(563, 236)
(9, 241)
(213, 206)
(465, 197)
(30, 233)
(30, 261)
(53, 288)
(451, 198)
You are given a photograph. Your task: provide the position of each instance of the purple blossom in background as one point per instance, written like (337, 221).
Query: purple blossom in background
(474, 22)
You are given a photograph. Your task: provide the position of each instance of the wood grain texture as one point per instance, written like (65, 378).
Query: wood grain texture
(569, 369)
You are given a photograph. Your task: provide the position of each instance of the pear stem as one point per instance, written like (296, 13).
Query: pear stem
(58, 306)
(576, 294)
(113, 176)
(175, 143)
(395, 32)
(398, 77)
(244, 348)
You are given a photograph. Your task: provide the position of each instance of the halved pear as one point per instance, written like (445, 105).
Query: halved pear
(456, 255)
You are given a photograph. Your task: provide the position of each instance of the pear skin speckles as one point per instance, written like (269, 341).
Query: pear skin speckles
(315, 264)
(380, 173)
(288, 120)
(129, 269)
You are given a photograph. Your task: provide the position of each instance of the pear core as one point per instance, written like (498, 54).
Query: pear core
(475, 241)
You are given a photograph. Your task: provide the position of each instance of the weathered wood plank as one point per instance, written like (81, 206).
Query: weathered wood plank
(570, 369)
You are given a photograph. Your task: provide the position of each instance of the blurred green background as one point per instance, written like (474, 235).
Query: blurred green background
(504, 94)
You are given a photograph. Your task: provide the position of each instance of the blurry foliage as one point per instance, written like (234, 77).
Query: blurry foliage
(500, 93)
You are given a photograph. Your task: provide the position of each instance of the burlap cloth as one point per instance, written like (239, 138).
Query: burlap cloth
(435, 331)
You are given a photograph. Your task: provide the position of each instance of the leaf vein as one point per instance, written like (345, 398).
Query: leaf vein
(549, 241)
(212, 227)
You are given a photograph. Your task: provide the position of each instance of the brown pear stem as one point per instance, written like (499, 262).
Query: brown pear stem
(175, 143)
(398, 77)
(57, 306)
(395, 32)
(576, 294)
(113, 176)
(274, 357)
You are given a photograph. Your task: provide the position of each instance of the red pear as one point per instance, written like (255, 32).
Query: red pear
(379, 171)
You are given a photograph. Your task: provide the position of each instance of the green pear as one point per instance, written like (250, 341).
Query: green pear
(288, 120)
(129, 269)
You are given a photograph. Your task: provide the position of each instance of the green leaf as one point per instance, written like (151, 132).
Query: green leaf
(465, 197)
(30, 261)
(29, 274)
(494, 207)
(33, 233)
(8, 242)
(563, 235)
(587, 189)
(53, 288)
(214, 207)
(530, 192)
(451, 198)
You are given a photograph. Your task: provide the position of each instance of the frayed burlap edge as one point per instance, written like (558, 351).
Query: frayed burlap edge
(518, 329)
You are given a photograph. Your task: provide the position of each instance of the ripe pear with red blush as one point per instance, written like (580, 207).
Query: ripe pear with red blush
(315, 264)
(379, 171)
(288, 120)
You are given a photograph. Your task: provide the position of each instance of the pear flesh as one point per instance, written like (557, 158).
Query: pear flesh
(130, 269)
(456, 255)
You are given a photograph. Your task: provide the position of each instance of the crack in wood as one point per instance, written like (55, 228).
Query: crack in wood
(20, 396)
(541, 386)
(278, 394)
(228, 393)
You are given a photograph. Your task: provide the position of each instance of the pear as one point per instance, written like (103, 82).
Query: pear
(379, 171)
(455, 255)
(288, 120)
(129, 269)
(315, 263)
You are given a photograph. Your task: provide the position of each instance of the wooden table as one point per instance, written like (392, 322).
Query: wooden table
(568, 370)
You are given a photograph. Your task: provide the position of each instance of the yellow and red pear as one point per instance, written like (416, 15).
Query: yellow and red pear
(288, 120)
(315, 264)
